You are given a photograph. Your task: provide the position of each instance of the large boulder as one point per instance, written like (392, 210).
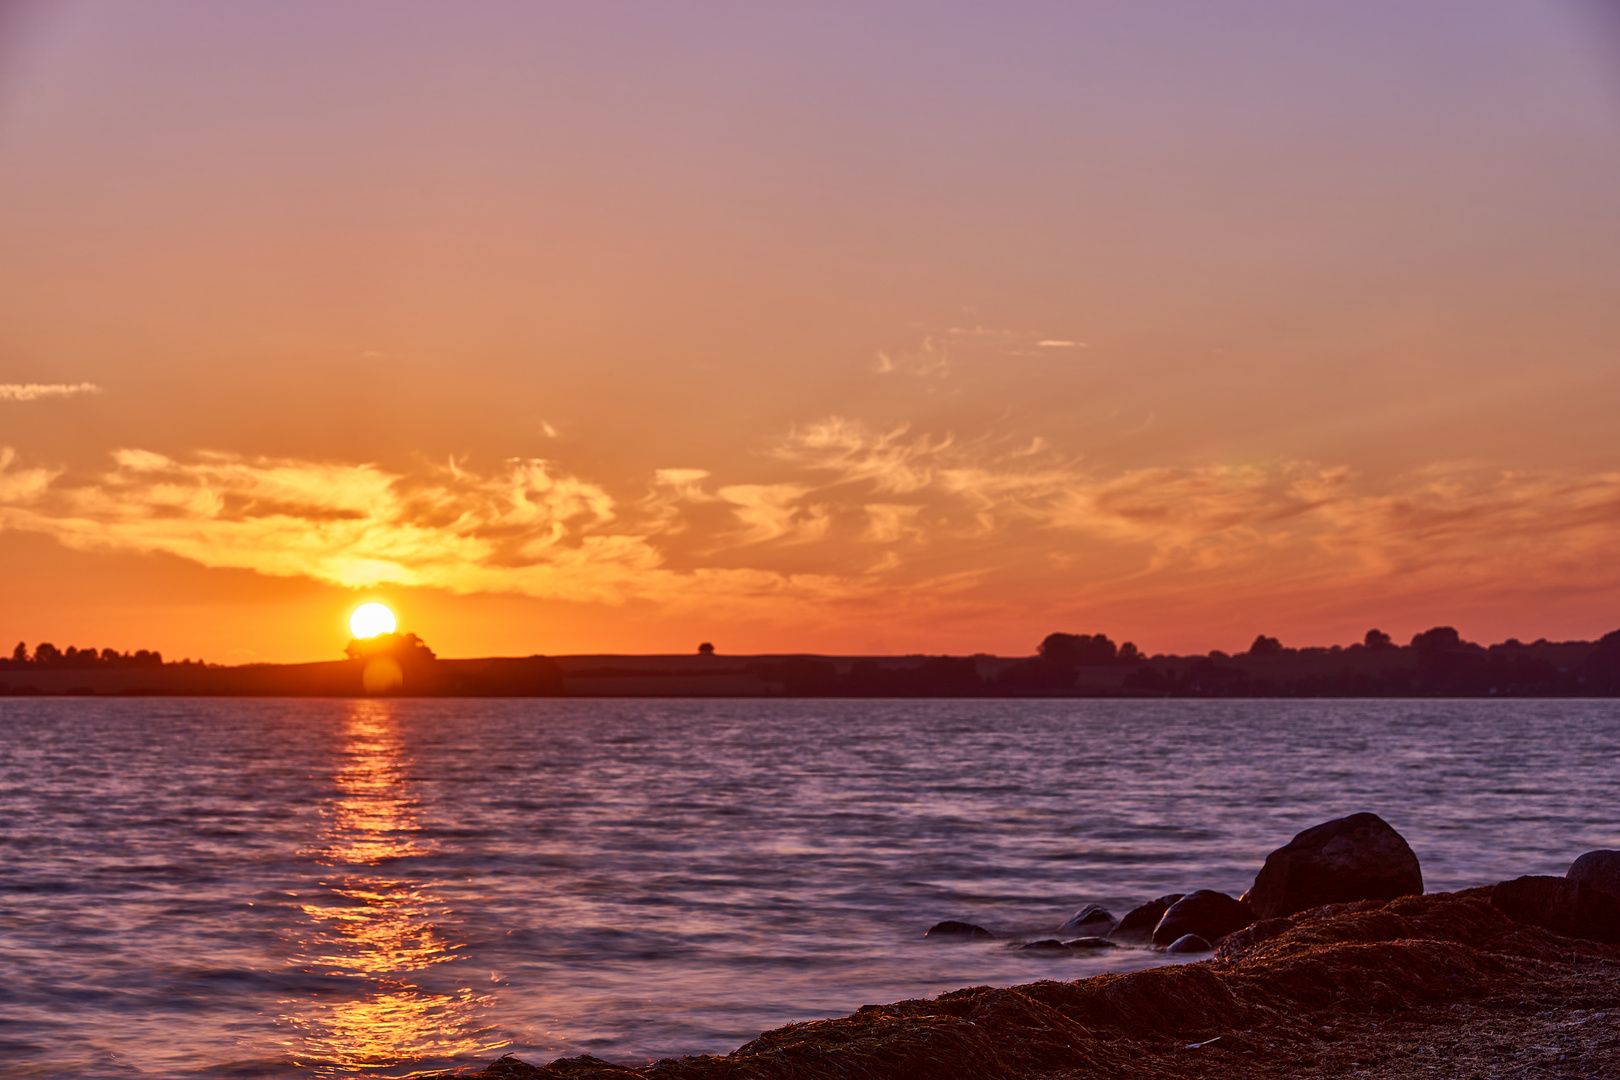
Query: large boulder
(1095, 943)
(1599, 869)
(1140, 920)
(1209, 914)
(1571, 908)
(1350, 858)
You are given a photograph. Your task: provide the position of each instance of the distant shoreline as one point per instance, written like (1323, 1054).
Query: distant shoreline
(1539, 670)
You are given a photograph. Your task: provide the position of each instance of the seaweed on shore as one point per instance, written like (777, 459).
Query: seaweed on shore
(1372, 988)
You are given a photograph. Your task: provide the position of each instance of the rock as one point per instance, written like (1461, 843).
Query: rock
(1572, 908)
(1044, 945)
(1189, 943)
(1350, 858)
(1209, 914)
(1090, 943)
(1599, 869)
(952, 929)
(1140, 920)
(1093, 915)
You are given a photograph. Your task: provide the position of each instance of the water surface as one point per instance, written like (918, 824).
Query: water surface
(310, 888)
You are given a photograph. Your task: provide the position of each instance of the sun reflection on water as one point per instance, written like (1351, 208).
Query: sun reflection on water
(377, 935)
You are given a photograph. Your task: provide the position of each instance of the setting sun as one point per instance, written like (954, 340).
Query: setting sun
(369, 620)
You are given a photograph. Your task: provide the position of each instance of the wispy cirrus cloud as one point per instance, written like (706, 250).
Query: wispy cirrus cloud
(1521, 524)
(772, 512)
(930, 359)
(892, 461)
(1292, 516)
(887, 523)
(937, 354)
(40, 391)
(21, 486)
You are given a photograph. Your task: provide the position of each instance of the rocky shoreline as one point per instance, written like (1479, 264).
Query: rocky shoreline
(1519, 978)
(1438, 985)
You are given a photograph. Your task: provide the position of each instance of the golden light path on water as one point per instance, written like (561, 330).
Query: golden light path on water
(376, 931)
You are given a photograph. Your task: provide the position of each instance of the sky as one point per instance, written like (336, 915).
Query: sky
(876, 327)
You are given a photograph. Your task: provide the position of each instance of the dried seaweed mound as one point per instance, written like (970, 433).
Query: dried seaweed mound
(1371, 987)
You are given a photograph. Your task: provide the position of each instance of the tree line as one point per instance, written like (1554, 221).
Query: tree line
(1435, 663)
(46, 655)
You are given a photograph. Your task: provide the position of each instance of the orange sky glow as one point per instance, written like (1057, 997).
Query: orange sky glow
(836, 327)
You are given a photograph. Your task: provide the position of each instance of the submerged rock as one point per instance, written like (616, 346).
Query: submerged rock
(1092, 915)
(1044, 945)
(1359, 857)
(953, 929)
(1209, 914)
(1599, 869)
(1189, 943)
(1140, 920)
(1572, 908)
(1091, 943)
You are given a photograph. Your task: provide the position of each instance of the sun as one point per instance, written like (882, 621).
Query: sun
(369, 620)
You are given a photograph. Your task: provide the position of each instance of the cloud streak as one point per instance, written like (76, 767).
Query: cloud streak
(40, 391)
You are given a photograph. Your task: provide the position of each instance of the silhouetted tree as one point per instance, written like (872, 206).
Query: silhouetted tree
(1073, 650)
(1377, 639)
(1602, 668)
(19, 655)
(706, 649)
(402, 648)
(1438, 639)
(1130, 654)
(1448, 665)
(47, 654)
(1266, 646)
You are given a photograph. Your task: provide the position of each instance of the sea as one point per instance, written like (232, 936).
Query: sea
(285, 888)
